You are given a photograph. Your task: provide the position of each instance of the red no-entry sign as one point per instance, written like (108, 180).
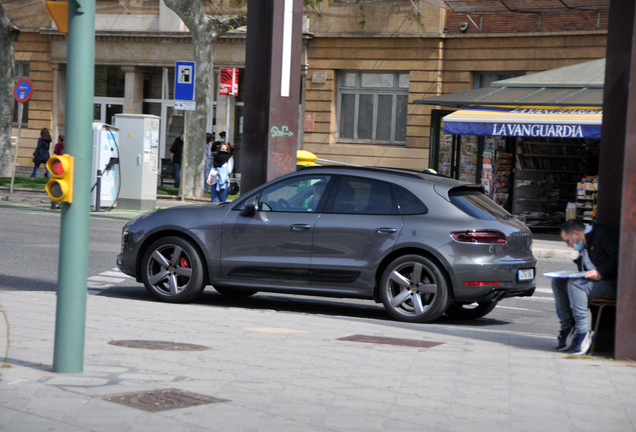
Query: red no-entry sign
(23, 90)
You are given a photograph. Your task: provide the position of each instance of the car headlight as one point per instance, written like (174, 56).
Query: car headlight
(124, 238)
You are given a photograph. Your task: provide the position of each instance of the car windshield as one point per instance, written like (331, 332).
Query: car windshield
(478, 205)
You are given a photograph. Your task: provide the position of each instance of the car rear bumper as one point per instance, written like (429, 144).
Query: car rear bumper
(497, 294)
(493, 281)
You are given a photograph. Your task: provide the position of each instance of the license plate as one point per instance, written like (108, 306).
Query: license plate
(526, 274)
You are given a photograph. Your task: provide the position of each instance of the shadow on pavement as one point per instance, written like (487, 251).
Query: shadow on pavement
(345, 308)
(20, 283)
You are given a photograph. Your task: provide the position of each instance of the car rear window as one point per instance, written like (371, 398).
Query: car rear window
(476, 204)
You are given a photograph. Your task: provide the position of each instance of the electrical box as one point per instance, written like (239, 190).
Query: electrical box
(138, 160)
(105, 158)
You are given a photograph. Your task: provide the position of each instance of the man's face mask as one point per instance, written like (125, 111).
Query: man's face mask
(578, 244)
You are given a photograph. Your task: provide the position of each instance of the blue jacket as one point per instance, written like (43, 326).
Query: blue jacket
(41, 152)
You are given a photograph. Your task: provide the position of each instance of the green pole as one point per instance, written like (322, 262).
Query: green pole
(70, 322)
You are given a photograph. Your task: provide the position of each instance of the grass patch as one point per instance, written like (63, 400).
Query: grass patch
(25, 182)
(165, 190)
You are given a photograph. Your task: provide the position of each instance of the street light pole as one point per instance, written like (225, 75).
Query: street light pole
(70, 323)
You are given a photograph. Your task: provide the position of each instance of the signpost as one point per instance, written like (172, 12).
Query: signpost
(22, 92)
(228, 86)
(184, 79)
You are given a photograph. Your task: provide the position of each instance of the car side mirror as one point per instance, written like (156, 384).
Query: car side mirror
(251, 205)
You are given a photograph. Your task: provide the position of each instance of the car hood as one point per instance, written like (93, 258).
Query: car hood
(185, 217)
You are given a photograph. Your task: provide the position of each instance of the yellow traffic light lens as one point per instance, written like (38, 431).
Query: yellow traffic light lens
(57, 167)
(56, 190)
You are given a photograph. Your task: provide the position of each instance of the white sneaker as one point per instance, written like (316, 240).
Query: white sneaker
(582, 343)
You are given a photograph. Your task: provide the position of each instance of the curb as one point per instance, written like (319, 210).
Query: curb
(555, 254)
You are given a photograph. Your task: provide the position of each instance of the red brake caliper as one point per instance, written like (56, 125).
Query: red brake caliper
(185, 264)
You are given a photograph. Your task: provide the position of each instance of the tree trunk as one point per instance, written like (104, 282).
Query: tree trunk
(205, 32)
(9, 34)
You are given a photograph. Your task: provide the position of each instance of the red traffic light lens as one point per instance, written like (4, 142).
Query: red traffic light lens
(57, 167)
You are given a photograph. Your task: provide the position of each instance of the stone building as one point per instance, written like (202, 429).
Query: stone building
(364, 65)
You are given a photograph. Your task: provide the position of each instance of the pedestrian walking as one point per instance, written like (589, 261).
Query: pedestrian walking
(42, 152)
(175, 157)
(217, 144)
(208, 160)
(598, 256)
(219, 177)
(59, 147)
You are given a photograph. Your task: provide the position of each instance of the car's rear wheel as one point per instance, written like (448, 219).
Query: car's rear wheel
(414, 289)
(172, 270)
(235, 293)
(470, 311)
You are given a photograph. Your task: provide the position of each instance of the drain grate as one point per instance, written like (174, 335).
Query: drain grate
(391, 341)
(161, 400)
(159, 345)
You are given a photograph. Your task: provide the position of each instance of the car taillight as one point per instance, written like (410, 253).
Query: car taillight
(479, 236)
(482, 283)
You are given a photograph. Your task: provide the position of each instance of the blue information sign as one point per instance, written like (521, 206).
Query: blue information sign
(23, 90)
(184, 81)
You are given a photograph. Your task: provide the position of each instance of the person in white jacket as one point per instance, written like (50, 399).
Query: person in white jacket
(219, 177)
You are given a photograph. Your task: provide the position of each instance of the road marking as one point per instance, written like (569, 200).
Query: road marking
(119, 274)
(544, 290)
(514, 308)
(543, 299)
(105, 280)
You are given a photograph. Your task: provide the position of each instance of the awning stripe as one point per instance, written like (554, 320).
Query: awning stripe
(535, 121)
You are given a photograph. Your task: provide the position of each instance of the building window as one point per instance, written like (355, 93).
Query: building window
(109, 81)
(484, 79)
(372, 106)
(21, 71)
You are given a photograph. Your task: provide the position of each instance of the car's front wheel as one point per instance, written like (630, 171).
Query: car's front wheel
(414, 289)
(172, 270)
(470, 311)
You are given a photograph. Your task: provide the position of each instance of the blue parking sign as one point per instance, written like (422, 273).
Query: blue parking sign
(184, 81)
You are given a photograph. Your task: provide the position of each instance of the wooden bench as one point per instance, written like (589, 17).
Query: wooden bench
(600, 304)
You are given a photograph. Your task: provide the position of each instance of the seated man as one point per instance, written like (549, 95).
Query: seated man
(598, 255)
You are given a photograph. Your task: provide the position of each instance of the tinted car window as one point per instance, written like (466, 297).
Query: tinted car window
(478, 205)
(409, 204)
(363, 196)
(294, 195)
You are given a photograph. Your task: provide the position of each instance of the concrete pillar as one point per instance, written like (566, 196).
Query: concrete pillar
(58, 100)
(134, 90)
(617, 165)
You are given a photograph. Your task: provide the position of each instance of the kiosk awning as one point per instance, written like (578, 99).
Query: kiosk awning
(537, 121)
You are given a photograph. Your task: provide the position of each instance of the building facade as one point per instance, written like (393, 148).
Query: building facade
(363, 68)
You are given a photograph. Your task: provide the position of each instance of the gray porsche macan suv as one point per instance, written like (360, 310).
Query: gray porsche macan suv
(422, 244)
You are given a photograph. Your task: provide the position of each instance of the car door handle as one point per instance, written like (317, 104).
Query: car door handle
(300, 227)
(386, 230)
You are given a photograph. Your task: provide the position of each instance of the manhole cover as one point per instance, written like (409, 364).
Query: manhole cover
(161, 400)
(391, 341)
(159, 345)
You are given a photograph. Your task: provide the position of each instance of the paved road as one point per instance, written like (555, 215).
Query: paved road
(30, 251)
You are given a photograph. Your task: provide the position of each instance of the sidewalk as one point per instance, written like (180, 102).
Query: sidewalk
(544, 247)
(277, 371)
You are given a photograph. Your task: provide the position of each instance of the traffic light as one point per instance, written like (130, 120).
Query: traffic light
(59, 12)
(60, 187)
